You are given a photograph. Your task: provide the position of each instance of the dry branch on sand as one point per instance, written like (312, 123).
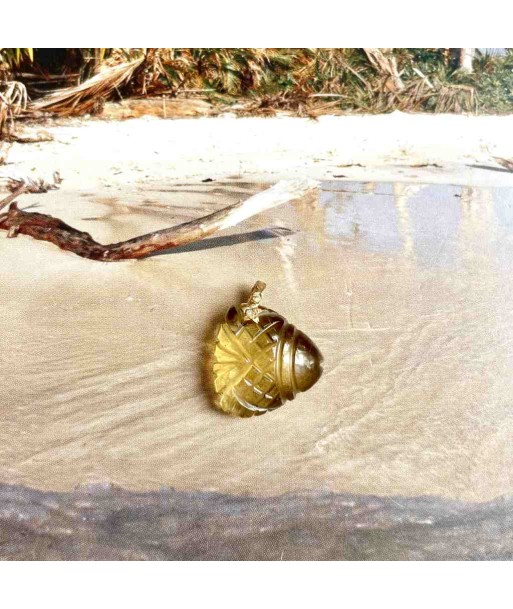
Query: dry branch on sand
(47, 228)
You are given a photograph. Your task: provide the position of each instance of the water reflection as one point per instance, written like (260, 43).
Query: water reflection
(403, 193)
(370, 219)
(425, 223)
(503, 208)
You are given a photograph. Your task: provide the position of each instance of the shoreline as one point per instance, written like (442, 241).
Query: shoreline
(99, 154)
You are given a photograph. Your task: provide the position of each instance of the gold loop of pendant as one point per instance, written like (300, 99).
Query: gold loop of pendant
(252, 308)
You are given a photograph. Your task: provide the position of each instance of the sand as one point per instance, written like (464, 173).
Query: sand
(405, 288)
(407, 147)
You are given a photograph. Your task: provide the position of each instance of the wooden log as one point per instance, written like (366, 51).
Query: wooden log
(47, 228)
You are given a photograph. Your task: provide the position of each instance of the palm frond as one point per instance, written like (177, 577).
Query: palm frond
(13, 100)
(86, 96)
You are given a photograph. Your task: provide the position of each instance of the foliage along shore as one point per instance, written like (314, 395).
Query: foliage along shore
(305, 81)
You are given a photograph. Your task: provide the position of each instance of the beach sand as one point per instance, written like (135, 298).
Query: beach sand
(404, 287)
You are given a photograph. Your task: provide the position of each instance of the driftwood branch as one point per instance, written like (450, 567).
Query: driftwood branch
(47, 228)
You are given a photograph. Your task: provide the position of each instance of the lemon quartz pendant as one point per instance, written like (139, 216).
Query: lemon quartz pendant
(260, 361)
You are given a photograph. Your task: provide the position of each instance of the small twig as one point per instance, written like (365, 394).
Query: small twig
(18, 186)
(28, 138)
(16, 193)
(35, 185)
(197, 91)
(47, 228)
(506, 163)
(326, 95)
(424, 77)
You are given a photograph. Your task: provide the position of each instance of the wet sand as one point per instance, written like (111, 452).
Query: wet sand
(405, 288)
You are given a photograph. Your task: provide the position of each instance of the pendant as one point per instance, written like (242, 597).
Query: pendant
(260, 360)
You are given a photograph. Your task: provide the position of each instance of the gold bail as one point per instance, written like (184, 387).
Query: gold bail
(251, 309)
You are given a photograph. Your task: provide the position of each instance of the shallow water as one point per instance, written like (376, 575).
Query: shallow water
(406, 289)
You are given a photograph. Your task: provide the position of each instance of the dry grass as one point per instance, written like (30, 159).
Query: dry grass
(89, 96)
(306, 81)
(13, 100)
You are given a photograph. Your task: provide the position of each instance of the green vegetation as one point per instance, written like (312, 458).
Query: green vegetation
(308, 80)
(10, 58)
(493, 82)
